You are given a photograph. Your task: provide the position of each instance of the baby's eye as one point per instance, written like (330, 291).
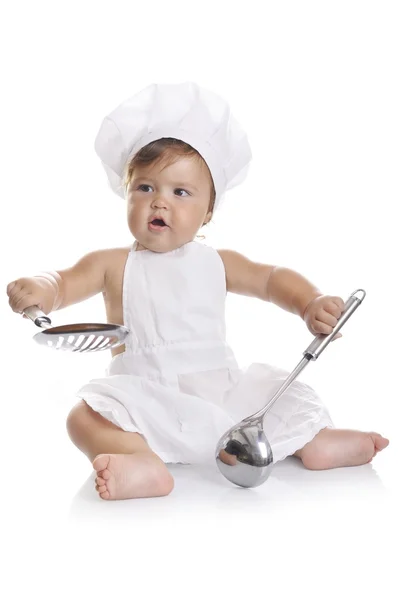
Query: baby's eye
(184, 192)
(143, 187)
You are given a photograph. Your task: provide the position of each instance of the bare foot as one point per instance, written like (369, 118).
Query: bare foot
(333, 448)
(380, 443)
(138, 475)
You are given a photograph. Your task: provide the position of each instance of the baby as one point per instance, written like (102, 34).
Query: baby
(174, 388)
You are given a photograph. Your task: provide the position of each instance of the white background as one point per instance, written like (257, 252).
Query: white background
(315, 86)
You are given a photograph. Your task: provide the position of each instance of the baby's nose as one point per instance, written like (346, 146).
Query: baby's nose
(160, 201)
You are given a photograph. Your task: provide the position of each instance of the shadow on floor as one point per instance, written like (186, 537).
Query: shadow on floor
(202, 489)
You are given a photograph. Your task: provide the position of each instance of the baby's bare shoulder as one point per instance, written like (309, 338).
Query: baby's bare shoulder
(119, 253)
(234, 262)
(113, 259)
(104, 260)
(245, 276)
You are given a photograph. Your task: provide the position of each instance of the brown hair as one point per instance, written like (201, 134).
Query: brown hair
(166, 150)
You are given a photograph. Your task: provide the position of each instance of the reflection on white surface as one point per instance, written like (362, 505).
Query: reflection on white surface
(202, 488)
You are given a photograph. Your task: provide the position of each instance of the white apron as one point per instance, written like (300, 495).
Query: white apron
(178, 383)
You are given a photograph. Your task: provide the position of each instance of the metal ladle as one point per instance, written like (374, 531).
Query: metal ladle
(243, 454)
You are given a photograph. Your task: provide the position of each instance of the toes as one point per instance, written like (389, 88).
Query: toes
(101, 462)
(104, 474)
(383, 443)
(101, 489)
(379, 441)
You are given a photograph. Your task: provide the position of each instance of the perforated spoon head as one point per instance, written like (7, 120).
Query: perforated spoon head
(244, 455)
(83, 337)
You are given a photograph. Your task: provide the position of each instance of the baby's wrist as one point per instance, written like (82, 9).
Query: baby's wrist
(52, 289)
(305, 305)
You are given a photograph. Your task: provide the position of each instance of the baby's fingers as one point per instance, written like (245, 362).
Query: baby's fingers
(320, 327)
(14, 296)
(335, 306)
(10, 286)
(23, 300)
(325, 317)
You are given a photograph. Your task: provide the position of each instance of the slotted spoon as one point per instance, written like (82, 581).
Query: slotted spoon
(78, 337)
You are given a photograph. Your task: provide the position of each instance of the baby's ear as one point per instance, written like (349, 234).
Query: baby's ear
(207, 218)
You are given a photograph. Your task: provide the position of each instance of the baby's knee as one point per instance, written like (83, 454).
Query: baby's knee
(79, 419)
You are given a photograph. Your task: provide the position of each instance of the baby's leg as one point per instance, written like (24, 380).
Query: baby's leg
(126, 466)
(332, 448)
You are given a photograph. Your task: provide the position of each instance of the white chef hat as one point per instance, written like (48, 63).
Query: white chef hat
(183, 111)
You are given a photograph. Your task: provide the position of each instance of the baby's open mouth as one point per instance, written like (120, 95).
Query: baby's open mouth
(157, 225)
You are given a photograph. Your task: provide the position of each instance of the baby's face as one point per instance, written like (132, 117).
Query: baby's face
(177, 195)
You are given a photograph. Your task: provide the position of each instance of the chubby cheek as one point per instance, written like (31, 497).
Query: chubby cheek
(191, 219)
(134, 218)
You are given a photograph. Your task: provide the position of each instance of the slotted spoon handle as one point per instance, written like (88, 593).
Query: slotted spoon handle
(38, 317)
(319, 344)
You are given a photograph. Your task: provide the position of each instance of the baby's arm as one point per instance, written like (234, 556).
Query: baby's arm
(284, 287)
(85, 279)
(53, 290)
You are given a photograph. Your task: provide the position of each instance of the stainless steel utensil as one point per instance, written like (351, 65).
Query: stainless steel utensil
(78, 337)
(243, 454)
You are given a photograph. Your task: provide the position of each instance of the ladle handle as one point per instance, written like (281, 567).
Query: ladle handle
(38, 317)
(319, 344)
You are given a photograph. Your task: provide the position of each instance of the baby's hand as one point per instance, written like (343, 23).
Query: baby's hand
(31, 291)
(322, 314)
